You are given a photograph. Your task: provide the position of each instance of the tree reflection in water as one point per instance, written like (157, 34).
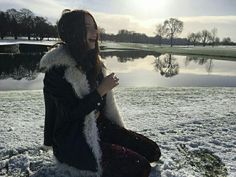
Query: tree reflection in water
(129, 55)
(19, 66)
(26, 65)
(166, 65)
(200, 60)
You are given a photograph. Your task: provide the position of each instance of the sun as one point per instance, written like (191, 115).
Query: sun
(149, 6)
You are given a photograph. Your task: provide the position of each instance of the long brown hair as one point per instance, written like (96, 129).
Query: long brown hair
(72, 31)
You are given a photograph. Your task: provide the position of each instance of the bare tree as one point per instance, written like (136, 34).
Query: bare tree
(173, 27)
(226, 41)
(27, 22)
(160, 31)
(194, 38)
(205, 37)
(213, 36)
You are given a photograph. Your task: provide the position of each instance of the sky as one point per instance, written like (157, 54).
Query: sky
(142, 16)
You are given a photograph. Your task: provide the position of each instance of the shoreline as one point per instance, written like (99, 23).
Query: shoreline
(224, 53)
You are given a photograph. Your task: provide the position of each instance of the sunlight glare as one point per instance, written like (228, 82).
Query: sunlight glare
(148, 7)
(151, 4)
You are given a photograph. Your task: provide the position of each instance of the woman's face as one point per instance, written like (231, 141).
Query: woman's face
(91, 31)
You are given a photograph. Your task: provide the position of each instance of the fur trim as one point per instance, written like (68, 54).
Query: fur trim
(56, 57)
(111, 109)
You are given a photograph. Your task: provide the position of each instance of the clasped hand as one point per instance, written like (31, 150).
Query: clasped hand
(107, 84)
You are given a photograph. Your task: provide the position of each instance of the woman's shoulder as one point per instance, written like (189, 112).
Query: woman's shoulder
(55, 58)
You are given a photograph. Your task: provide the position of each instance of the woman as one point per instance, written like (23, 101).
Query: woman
(82, 123)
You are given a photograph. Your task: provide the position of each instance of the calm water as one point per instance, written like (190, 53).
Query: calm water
(135, 69)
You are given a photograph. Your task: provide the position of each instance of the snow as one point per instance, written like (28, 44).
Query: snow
(194, 127)
(22, 41)
(218, 51)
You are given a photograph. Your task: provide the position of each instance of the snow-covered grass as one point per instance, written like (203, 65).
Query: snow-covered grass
(194, 127)
(218, 51)
(184, 50)
(26, 41)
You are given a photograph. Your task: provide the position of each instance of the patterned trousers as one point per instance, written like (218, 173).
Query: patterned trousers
(125, 153)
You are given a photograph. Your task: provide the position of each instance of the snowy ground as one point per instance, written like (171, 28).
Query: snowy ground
(195, 128)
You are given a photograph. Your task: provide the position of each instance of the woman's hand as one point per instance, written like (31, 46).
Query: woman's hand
(107, 84)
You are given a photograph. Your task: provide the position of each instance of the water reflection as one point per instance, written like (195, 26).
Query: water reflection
(19, 66)
(134, 68)
(201, 61)
(129, 55)
(167, 65)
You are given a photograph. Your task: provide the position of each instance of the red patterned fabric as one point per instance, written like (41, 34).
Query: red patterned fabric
(125, 153)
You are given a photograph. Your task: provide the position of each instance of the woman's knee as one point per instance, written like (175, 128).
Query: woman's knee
(145, 168)
(156, 153)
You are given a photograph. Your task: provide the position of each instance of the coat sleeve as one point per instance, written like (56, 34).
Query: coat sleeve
(63, 94)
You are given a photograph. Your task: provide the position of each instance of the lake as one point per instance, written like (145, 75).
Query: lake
(134, 68)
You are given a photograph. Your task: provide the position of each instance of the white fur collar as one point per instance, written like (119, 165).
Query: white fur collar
(56, 57)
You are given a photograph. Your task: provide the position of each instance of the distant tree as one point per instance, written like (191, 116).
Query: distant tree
(51, 31)
(217, 41)
(213, 36)
(14, 24)
(40, 27)
(205, 37)
(26, 22)
(3, 24)
(173, 27)
(194, 38)
(101, 32)
(160, 31)
(226, 41)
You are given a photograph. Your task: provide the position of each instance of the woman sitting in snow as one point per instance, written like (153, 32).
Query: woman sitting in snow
(82, 123)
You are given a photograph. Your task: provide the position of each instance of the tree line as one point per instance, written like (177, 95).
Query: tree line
(206, 37)
(24, 23)
(167, 33)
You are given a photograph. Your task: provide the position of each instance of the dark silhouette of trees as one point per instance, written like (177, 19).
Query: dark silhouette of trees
(14, 22)
(24, 23)
(26, 18)
(131, 36)
(194, 38)
(205, 37)
(4, 24)
(173, 27)
(227, 41)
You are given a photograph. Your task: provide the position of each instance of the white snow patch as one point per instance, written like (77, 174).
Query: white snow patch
(189, 124)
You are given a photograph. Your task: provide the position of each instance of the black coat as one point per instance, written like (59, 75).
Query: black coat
(70, 106)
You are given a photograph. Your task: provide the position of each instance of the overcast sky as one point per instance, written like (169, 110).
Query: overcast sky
(142, 15)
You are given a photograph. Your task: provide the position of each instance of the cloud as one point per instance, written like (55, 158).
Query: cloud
(112, 23)
(50, 9)
(226, 25)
